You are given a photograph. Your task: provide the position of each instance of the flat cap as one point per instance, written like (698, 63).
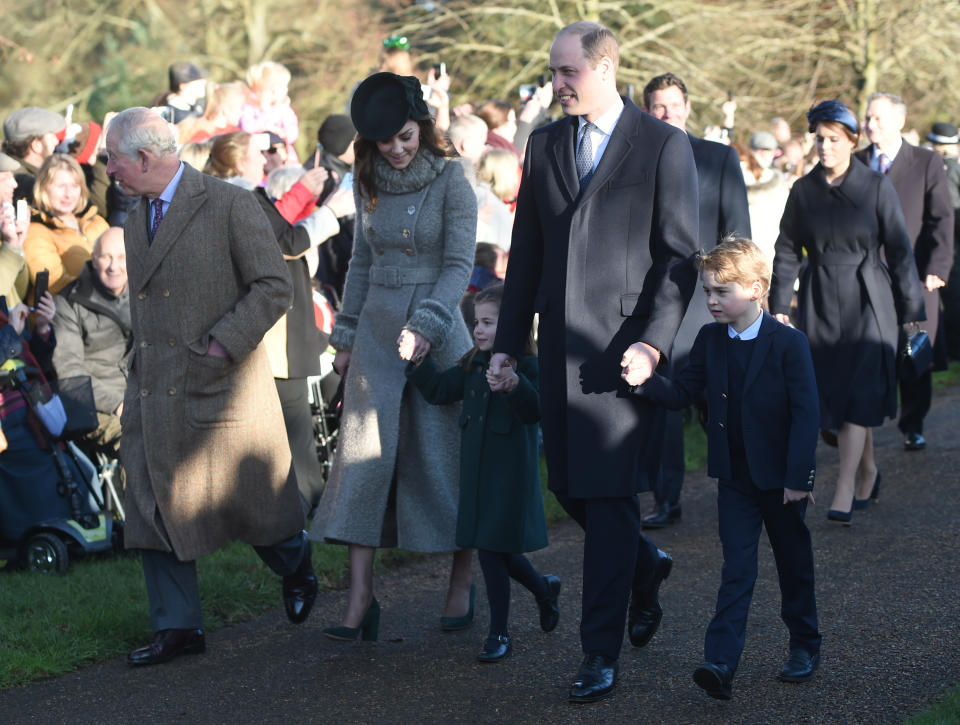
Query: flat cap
(8, 163)
(763, 140)
(32, 121)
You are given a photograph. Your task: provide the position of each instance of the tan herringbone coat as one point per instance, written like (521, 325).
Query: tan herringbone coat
(204, 444)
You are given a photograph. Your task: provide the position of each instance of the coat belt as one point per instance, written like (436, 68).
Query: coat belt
(398, 277)
(838, 258)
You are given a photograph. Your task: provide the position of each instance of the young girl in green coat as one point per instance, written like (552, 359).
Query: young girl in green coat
(500, 510)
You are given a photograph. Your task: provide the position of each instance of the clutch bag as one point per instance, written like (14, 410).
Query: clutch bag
(916, 358)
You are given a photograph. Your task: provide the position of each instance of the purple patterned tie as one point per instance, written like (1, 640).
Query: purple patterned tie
(157, 217)
(883, 161)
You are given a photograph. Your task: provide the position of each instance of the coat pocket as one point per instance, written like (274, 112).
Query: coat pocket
(213, 398)
(633, 304)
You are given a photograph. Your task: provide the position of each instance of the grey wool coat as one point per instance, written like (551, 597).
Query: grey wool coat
(204, 444)
(412, 258)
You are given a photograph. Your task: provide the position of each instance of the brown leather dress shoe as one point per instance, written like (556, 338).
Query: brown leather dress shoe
(167, 644)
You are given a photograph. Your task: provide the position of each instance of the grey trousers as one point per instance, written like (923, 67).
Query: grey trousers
(174, 592)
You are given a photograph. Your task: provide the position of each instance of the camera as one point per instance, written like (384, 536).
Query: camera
(528, 89)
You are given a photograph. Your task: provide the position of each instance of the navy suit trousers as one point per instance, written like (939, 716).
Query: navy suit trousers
(742, 509)
(615, 555)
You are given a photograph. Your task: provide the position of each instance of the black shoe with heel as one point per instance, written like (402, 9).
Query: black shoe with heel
(495, 648)
(859, 504)
(367, 631)
(549, 608)
(455, 624)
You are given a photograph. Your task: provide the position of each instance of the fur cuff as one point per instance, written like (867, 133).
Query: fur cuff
(344, 332)
(433, 321)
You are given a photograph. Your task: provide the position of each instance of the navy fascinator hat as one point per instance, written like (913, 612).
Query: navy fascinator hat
(384, 102)
(832, 111)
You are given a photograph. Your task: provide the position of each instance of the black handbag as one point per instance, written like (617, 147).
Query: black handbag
(916, 357)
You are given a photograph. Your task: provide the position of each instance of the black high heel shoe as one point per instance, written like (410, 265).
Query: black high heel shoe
(861, 503)
(455, 624)
(368, 629)
(841, 517)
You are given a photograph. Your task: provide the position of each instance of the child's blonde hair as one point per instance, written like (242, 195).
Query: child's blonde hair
(737, 259)
(267, 73)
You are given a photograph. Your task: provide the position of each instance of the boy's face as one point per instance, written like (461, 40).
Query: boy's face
(731, 302)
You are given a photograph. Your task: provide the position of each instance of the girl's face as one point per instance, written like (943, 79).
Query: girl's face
(485, 328)
(400, 148)
(63, 192)
(251, 164)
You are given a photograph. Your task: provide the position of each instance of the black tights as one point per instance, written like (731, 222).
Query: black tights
(498, 569)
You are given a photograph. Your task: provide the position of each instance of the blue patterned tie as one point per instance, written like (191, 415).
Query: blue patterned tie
(157, 217)
(585, 155)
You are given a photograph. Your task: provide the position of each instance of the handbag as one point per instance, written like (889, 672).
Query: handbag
(916, 357)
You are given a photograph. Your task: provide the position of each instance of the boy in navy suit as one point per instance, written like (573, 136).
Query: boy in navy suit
(761, 439)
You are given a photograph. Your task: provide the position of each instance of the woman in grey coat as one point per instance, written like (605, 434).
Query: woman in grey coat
(395, 478)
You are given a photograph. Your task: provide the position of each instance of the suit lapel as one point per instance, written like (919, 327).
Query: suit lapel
(618, 148)
(135, 242)
(189, 196)
(760, 349)
(564, 156)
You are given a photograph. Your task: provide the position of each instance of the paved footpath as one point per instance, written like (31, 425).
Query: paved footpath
(889, 598)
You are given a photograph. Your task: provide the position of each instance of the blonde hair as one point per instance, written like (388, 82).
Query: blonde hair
(226, 151)
(499, 168)
(49, 169)
(266, 73)
(196, 154)
(737, 259)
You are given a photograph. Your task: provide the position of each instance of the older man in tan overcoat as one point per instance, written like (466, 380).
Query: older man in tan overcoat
(204, 444)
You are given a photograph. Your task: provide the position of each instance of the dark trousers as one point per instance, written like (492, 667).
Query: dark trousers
(742, 509)
(173, 590)
(915, 398)
(670, 482)
(298, 420)
(615, 554)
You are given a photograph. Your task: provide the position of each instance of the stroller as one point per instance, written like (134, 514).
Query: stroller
(325, 389)
(50, 505)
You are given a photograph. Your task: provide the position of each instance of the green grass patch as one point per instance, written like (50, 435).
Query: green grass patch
(945, 711)
(52, 624)
(947, 378)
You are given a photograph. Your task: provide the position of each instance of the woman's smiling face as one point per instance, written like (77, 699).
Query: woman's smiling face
(400, 148)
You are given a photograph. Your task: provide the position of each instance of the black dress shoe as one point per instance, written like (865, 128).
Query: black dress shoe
(495, 648)
(167, 644)
(800, 666)
(595, 680)
(914, 442)
(645, 611)
(300, 591)
(549, 609)
(665, 515)
(714, 679)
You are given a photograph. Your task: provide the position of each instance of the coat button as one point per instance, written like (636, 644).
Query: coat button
(723, 395)
(408, 251)
(411, 209)
(144, 344)
(721, 426)
(406, 233)
(473, 393)
(172, 391)
(141, 295)
(144, 392)
(379, 250)
(166, 293)
(172, 342)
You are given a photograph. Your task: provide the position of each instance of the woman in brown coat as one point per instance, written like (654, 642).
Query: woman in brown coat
(61, 237)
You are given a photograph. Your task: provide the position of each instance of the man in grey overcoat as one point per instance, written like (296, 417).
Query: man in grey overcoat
(204, 444)
(605, 230)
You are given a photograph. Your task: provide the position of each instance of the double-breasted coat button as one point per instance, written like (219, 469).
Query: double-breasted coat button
(408, 251)
(172, 391)
(406, 233)
(172, 342)
(144, 392)
(144, 344)
(723, 395)
(722, 426)
(166, 293)
(411, 209)
(141, 295)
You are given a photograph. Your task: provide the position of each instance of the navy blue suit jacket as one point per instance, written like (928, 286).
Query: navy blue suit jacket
(779, 409)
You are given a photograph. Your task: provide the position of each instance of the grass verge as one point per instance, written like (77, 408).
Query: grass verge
(945, 711)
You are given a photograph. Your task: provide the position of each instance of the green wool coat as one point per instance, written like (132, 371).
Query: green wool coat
(501, 508)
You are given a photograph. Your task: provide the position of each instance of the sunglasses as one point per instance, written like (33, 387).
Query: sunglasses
(398, 42)
(273, 150)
